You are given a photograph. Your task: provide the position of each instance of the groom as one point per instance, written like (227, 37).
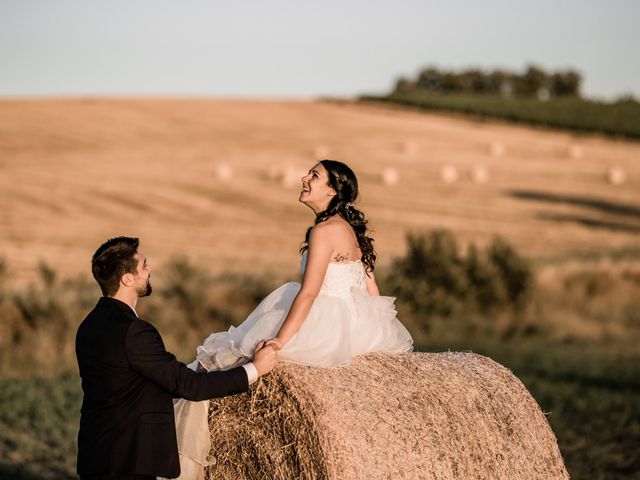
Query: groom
(127, 428)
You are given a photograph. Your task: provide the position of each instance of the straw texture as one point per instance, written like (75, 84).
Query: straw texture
(413, 415)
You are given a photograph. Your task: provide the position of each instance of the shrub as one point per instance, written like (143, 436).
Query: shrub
(191, 303)
(435, 279)
(39, 321)
(513, 271)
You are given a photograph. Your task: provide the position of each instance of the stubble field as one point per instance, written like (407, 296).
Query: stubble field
(217, 180)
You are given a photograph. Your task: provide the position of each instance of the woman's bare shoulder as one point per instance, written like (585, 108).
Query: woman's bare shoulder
(334, 226)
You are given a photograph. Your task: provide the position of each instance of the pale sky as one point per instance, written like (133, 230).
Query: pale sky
(301, 48)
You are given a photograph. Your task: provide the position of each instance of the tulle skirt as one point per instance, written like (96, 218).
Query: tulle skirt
(336, 329)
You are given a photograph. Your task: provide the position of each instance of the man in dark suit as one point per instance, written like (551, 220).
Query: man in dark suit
(127, 428)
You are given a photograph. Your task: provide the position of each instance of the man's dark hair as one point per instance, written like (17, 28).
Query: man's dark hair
(114, 258)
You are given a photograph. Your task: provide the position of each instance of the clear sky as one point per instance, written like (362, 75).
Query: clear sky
(303, 48)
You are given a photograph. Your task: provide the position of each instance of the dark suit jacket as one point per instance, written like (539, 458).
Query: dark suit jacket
(129, 380)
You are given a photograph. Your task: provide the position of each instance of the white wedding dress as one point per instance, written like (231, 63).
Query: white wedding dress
(344, 321)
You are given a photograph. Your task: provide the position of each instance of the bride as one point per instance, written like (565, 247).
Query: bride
(336, 313)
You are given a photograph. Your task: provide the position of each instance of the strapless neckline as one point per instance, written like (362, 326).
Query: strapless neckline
(352, 262)
(303, 262)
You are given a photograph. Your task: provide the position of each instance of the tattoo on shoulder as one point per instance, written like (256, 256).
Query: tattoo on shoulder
(340, 258)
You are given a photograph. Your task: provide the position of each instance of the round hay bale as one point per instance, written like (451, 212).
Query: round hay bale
(575, 151)
(287, 175)
(449, 174)
(497, 149)
(292, 176)
(224, 172)
(616, 176)
(479, 174)
(389, 176)
(407, 148)
(413, 415)
(274, 172)
(321, 151)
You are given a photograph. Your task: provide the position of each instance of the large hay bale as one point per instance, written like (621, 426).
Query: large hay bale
(414, 415)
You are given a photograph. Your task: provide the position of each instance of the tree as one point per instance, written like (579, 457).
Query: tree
(566, 83)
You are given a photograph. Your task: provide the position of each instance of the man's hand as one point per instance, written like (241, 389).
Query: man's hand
(264, 359)
(276, 343)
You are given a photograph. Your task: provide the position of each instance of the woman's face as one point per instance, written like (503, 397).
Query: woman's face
(316, 192)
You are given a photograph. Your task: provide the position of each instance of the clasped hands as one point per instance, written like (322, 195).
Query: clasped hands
(264, 359)
(275, 343)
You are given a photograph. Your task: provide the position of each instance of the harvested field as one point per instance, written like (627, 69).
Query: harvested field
(415, 415)
(216, 180)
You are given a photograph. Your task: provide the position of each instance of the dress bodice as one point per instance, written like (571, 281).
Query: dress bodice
(340, 277)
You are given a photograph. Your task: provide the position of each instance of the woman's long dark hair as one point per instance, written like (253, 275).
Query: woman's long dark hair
(344, 182)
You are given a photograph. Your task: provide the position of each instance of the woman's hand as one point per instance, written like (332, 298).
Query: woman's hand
(275, 343)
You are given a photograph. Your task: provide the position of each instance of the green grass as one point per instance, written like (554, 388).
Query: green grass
(615, 119)
(39, 421)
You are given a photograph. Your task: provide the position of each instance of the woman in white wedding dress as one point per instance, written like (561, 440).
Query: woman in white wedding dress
(336, 313)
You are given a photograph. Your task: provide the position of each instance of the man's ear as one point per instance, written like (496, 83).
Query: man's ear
(127, 279)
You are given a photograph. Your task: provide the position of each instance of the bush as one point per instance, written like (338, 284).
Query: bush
(191, 303)
(435, 279)
(513, 271)
(39, 321)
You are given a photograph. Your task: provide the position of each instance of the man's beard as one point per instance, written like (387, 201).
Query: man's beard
(146, 291)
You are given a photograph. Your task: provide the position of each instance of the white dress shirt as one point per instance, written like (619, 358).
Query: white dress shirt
(252, 372)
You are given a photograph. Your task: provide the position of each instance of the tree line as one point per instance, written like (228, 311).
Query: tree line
(533, 82)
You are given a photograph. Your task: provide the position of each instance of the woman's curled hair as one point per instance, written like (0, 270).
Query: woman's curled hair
(344, 182)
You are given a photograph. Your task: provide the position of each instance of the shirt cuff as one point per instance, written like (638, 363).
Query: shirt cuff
(252, 372)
